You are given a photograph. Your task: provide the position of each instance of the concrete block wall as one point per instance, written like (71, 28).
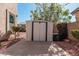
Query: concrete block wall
(71, 26)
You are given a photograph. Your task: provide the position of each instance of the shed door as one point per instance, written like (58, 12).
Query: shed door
(42, 31)
(50, 31)
(36, 32)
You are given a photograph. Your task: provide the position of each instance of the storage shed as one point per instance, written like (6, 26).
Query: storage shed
(39, 31)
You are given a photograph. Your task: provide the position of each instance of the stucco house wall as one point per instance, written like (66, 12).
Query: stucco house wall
(5, 10)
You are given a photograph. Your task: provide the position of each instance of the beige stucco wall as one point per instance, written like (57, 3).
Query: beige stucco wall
(11, 7)
(28, 30)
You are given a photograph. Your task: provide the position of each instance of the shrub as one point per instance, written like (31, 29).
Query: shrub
(15, 29)
(75, 33)
(22, 29)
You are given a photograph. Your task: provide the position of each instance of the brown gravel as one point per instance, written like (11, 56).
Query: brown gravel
(8, 43)
(72, 47)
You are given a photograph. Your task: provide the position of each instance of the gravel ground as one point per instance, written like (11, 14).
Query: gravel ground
(70, 47)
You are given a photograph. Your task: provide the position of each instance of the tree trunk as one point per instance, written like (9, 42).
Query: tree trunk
(15, 35)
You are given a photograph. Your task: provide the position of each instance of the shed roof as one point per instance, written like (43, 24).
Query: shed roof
(38, 21)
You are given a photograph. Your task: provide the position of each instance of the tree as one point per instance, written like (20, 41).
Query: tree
(35, 15)
(15, 30)
(41, 12)
(66, 17)
(55, 10)
(51, 12)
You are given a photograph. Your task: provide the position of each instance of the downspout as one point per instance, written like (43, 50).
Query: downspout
(6, 22)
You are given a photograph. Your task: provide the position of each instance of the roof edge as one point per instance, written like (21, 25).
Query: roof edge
(73, 12)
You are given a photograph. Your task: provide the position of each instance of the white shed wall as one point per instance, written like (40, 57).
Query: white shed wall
(39, 31)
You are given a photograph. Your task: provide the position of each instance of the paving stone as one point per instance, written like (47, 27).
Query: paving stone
(71, 48)
(56, 50)
(23, 48)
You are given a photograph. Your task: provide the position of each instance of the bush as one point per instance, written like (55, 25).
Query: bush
(22, 29)
(75, 33)
(15, 29)
(18, 29)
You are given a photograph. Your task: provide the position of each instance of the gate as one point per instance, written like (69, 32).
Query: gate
(63, 31)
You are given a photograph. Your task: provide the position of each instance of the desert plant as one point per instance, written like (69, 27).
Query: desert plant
(75, 33)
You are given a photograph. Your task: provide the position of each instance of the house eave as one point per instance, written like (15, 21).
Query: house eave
(73, 12)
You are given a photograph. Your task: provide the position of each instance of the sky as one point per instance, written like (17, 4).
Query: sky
(25, 8)
(24, 11)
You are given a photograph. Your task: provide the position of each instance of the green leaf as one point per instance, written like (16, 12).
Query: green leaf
(66, 13)
(69, 17)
